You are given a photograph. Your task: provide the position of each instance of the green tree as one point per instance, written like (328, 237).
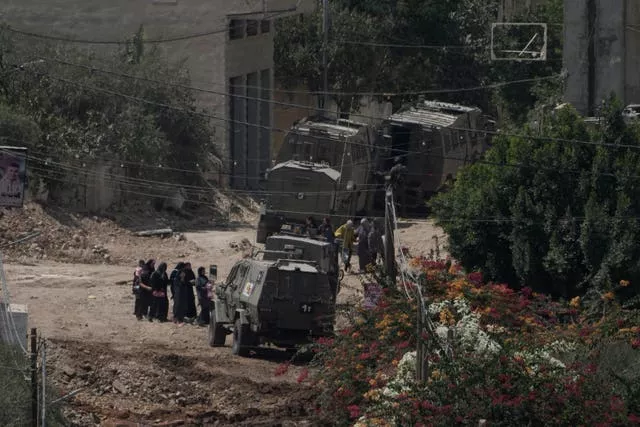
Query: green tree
(83, 111)
(454, 40)
(546, 212)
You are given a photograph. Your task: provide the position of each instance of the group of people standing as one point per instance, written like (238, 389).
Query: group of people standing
(151, 285)
(368, 236)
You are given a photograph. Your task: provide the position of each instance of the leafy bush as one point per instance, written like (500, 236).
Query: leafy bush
(75, 106)
(544, 210)
(509, 357)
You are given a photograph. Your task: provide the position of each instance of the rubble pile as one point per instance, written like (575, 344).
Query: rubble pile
(168, 389)
(34, 232)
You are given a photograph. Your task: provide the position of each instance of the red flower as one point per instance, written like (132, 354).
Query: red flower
(282, 369)
(635, 343)
(475, 277)
(354, 411)
(634, 419)
(403, 344)
(303, 375)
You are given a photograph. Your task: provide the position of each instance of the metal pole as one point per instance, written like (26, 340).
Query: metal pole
(389, 251)
(419, 352)
(34, 379)
(325, 47)
(44, 381)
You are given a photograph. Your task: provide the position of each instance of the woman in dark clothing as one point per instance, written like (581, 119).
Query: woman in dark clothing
(135, 289)
(172, 279)
(202, 289)
(188, 283)
(179, 296)
(145, 289)
(160, 302)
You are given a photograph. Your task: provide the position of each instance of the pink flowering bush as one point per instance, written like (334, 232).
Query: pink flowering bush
(509, 357)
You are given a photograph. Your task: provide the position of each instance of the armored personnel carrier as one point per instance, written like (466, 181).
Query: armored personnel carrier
(306, 248)
(284, 302)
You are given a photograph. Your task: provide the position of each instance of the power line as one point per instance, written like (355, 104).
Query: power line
(380, 118)
(143, 100)
(416, 92)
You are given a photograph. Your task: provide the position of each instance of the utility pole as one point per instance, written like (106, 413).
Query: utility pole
(389, 251)
(420, 371)
(325, 47)
(34, 378)
(44, 381)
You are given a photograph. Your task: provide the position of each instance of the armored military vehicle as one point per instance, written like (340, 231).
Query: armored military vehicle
(284, 302)
(306, 248)
(324, 166)
(433, 141)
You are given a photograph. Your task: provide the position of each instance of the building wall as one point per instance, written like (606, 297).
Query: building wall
(212, 59)
(615, 39)
(575, 53)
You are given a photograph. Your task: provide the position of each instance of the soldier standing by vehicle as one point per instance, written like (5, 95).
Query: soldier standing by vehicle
(375, 242)
(202, 289)
(364, 254)
(326, 230)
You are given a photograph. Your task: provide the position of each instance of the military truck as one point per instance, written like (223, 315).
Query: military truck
(305, 248)
(323, 166)
(284, 302)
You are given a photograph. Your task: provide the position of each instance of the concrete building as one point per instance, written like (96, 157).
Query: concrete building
(227, 46)
(601, 52)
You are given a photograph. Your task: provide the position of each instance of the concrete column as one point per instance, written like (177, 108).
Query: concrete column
(609, 50)
(575, 54)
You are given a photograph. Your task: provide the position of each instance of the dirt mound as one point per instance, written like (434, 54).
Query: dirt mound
(119, 388)
(56, 235)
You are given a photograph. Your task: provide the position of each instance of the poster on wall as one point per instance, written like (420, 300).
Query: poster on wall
(13, 174)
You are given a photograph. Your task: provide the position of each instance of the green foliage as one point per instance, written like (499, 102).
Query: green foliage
(462, 26)
(556, 215)
(67, 112)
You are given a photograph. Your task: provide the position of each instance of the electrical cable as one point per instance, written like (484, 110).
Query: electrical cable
(378, 118)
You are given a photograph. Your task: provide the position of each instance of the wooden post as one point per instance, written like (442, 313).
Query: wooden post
(389, 251)
(34, 378)
(44, 381)
(419, 348)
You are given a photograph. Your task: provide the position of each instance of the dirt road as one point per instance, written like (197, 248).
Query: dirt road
(132, 371)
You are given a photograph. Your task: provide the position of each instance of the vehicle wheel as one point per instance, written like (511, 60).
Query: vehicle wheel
(241, 339)
(217, 332)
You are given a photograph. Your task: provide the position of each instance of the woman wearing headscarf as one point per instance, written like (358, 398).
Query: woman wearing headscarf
(364, 254)
(160, 302)
(145, 289)
(188, 283)
(203, 287)
(135, 289)
(172, 280)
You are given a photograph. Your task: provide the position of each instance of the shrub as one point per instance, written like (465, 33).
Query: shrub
(510, 357)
